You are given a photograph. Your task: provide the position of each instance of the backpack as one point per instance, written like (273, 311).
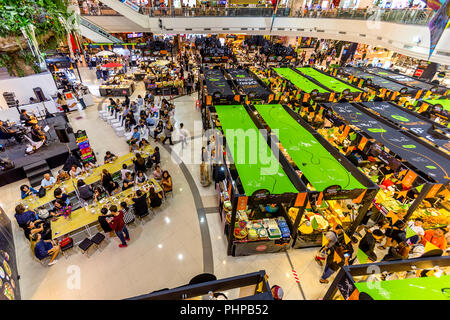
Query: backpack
(65, 242)
(41, 192)
(43, 214)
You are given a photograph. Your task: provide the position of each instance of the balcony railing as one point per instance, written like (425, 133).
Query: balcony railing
(405, 16)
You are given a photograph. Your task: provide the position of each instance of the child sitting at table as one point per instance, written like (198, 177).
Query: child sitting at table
(61, 209)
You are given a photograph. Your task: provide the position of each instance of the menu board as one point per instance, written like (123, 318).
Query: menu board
(9, 284)
(376, 80)
(247, 83)
(401, 78)
(216, 84)
(422, 128)
(424, 158)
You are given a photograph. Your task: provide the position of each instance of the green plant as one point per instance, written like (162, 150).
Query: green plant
(31, 60)
(6, 61)
(18, 15)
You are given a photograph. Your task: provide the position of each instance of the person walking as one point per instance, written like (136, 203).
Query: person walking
(337, 257)
(168, 128)
(117, 224)
(332, 238)
(184, 135)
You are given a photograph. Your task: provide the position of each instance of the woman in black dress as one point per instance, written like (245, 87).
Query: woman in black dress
(155, 198)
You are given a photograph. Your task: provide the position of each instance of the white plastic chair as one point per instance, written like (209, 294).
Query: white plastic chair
(111, 118)
(104, 111)
(116, 121)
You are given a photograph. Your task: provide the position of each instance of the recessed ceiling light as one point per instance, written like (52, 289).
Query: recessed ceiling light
(180, 256)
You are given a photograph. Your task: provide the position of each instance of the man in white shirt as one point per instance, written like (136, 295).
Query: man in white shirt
(184, 135)
(48, 181)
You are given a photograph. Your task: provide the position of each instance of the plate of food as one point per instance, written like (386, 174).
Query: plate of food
(240, 233)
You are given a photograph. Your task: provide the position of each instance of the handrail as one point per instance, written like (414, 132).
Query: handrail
(98, 30)
(405, 16)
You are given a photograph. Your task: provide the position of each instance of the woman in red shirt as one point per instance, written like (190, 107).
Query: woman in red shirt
(436, 237)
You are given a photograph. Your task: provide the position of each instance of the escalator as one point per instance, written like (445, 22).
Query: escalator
(95, 33)
(131, 11)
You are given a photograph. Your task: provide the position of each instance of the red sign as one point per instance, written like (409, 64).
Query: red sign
(261, 248)
(418, 73)
(242, 203)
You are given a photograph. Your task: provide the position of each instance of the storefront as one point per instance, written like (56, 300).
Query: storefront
(413, 173)
(291, 199)
(253, 204)
(251, 88)
(339, 194)
(215, 89)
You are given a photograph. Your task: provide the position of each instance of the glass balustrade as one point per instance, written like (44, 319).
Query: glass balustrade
(405, 16)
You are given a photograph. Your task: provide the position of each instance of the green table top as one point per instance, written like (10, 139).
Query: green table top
(257, 166)
(300, 82)
(445, 103)
(426, 288)
(317, 164)
(327, 81)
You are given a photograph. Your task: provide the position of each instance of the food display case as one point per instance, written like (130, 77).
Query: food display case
(122, 88)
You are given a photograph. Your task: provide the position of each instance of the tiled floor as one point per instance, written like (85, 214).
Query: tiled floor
(165, 252)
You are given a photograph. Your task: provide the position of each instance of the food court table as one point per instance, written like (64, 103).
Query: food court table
(68, 186)
(86, 216)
